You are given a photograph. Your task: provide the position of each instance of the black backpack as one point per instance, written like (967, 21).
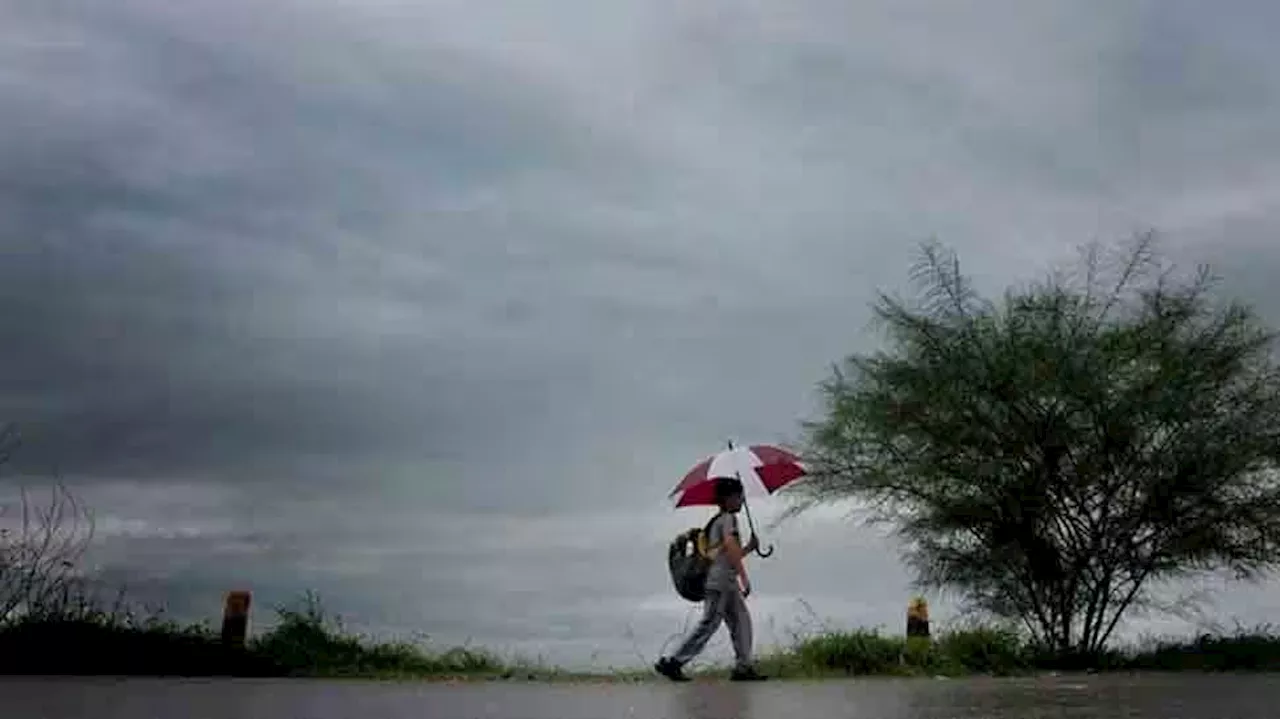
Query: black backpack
(688, 561)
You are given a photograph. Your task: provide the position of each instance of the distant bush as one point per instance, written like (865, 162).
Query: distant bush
(304, 642)
(855, 652)
(103, 644)
(307, 642)
(978, 650)
(985, 650)
(996, 651)
(1256, 649)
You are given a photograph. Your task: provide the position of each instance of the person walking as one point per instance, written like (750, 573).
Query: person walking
(727, 588)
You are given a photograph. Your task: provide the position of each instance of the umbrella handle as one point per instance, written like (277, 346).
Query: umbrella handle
(752, 526)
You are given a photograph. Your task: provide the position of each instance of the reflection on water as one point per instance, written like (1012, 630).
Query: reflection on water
(1182, 696)
(1082, 697)
(717, 700)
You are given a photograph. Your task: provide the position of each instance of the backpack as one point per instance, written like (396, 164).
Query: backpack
(689, 559)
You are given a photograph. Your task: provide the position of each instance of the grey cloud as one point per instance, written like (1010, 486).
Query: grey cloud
(420, 304)
(192, 301)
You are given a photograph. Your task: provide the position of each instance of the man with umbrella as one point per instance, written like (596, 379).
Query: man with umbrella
(726, 593)
(718, 481)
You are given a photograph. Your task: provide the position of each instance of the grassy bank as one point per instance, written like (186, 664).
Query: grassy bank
(996, 652)
(307, 643)
(304, 642)
(862, 653)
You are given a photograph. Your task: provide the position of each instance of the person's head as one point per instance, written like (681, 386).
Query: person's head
(729, 494)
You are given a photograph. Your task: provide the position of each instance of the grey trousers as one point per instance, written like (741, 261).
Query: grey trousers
(729, 606)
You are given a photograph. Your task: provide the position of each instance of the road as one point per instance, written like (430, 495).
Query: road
(1091, 697)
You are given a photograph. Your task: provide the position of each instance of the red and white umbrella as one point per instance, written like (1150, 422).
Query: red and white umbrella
(762, 468)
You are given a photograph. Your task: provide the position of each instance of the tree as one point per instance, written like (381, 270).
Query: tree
(1052, 456)
(41, 545)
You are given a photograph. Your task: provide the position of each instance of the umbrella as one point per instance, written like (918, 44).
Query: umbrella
(762, 469)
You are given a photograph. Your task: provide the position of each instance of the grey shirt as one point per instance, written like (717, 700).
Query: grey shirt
(722, 576)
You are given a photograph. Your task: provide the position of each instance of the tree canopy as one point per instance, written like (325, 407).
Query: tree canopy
(1052, 455)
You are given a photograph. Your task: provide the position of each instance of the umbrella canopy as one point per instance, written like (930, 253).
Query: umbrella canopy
(763, 469)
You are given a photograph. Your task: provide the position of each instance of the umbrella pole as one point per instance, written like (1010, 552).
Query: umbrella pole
(752, 525)
(750, 522)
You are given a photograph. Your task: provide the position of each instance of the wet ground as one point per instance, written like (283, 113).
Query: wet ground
(1183, 696)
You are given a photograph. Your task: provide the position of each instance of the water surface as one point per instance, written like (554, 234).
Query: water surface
(1179, 696)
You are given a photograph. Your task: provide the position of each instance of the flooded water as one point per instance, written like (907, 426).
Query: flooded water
(1102, 697)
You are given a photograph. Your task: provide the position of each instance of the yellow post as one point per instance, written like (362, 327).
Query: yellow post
(235, 618)
(918, 618)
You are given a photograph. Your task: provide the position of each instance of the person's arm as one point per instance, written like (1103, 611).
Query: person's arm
(734, 551)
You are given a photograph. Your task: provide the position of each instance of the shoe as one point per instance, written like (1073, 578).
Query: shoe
(747, 674)
(670, 669)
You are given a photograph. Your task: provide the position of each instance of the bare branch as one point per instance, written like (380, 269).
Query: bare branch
(40, 552)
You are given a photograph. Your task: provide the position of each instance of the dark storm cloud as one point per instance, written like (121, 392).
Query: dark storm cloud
(425, 304)
(204, 268)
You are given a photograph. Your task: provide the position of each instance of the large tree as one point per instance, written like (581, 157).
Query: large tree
(1053, 455)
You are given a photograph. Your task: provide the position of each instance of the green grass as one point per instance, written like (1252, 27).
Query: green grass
(306, 642)
(105, 644)
(835, 653)
(1247, 649)
(993, 651)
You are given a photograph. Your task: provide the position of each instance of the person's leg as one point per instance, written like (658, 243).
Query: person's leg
(713, 612)
(738, 618)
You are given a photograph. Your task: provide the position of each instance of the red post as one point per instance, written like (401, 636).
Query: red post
(918, 618)
(235, 618)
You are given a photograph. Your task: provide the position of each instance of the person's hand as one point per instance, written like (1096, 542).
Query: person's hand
(745, 584)
(752, 545)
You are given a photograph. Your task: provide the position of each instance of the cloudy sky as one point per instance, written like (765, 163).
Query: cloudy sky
(426, 304)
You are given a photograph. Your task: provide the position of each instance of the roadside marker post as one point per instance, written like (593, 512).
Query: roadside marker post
(918, 618)
(235, 618)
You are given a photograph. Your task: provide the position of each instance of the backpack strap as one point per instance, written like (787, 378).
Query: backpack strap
(704, 539)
